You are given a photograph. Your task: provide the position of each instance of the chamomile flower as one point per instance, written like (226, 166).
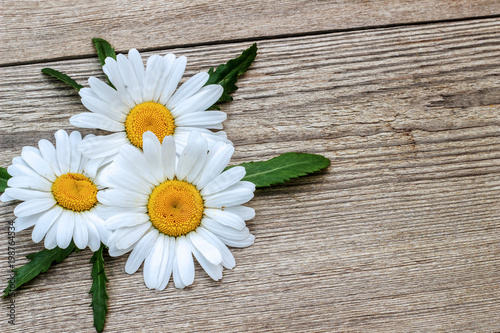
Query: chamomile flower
(147, 100)
(59, 188)
(166, 209)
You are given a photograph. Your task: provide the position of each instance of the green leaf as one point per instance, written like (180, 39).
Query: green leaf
(279, 169)
(98, 290)
(62, 77)
(40, 263)
(227, 74)
(104, 49)
(4, 176)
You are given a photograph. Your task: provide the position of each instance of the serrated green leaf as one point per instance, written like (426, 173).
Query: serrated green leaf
(40, 263)
(104, 49)
(227, 74)
(98, 289)
(4, 177)
(62, 77)
(282, 168)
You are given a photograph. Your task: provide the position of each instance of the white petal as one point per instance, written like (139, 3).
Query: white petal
(121, 198)
(113, 109)
(154, 71)
(176, 275)
(136, 61)
(213, 270)
(63, 150)
(164, 261)
(37, 163)
(210, 252)
(185, 260)
(125, 220)
(129, 78)
(164, 77)
(170, 245)
(94, 239)
(152, 154)
(173, 79)
(6, 198)
(217, 159)
(49, 154)
(108, 102)
(168, 156)
(65, 229)
(27, 194)
(224, 180)
(152, 263)
(95, 120)
(249, 240)
(80, 232)
(235, 195)
(105, 212)
(23, 169)
(225, 218)
(45, 222)
(141, 251)
(113, 72)
(224, 231)
(92, 218)
(192, 158)
(201, 101)
(246, 213)
(188, 89)
(76, 157)
(36, 183)
(136, 162)
(126, 237)
(93, 166)
(50, 241)
(34, 206)
(117, 177)
(227, 257)
(22, 223)
(102, 146)
(114, 252)
(205, 118)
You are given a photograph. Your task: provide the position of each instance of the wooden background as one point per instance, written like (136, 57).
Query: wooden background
(399, 234)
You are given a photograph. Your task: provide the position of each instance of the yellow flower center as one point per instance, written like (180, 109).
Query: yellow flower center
(75, 192)
(175, 207)
(149, 116)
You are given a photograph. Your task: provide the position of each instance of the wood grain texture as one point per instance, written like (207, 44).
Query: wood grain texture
(400, 234)
(53, 29)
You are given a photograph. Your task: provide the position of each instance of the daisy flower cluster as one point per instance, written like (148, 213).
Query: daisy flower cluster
(157, 186)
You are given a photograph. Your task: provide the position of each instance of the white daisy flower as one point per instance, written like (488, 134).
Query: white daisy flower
(59, 188)
(166, 209)
(147, 100)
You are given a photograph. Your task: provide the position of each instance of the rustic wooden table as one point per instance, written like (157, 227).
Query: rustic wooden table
(399, 234)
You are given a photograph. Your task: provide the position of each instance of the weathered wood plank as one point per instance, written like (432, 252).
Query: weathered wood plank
(399, 234)
(53, 29)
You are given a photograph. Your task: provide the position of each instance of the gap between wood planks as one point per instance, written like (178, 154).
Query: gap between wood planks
(259, 38)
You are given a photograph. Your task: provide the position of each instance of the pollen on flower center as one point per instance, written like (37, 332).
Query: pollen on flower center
(149, 116)
(175, 207)
(74, 191)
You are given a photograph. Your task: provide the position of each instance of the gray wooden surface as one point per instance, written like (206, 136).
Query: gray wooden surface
(399, 234)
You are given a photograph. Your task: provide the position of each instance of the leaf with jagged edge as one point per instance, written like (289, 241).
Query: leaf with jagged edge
(4, 177)
(62, 77)
(98, 289)
(227, 74)
(283, 168)
(104, 49)
(40, 263)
